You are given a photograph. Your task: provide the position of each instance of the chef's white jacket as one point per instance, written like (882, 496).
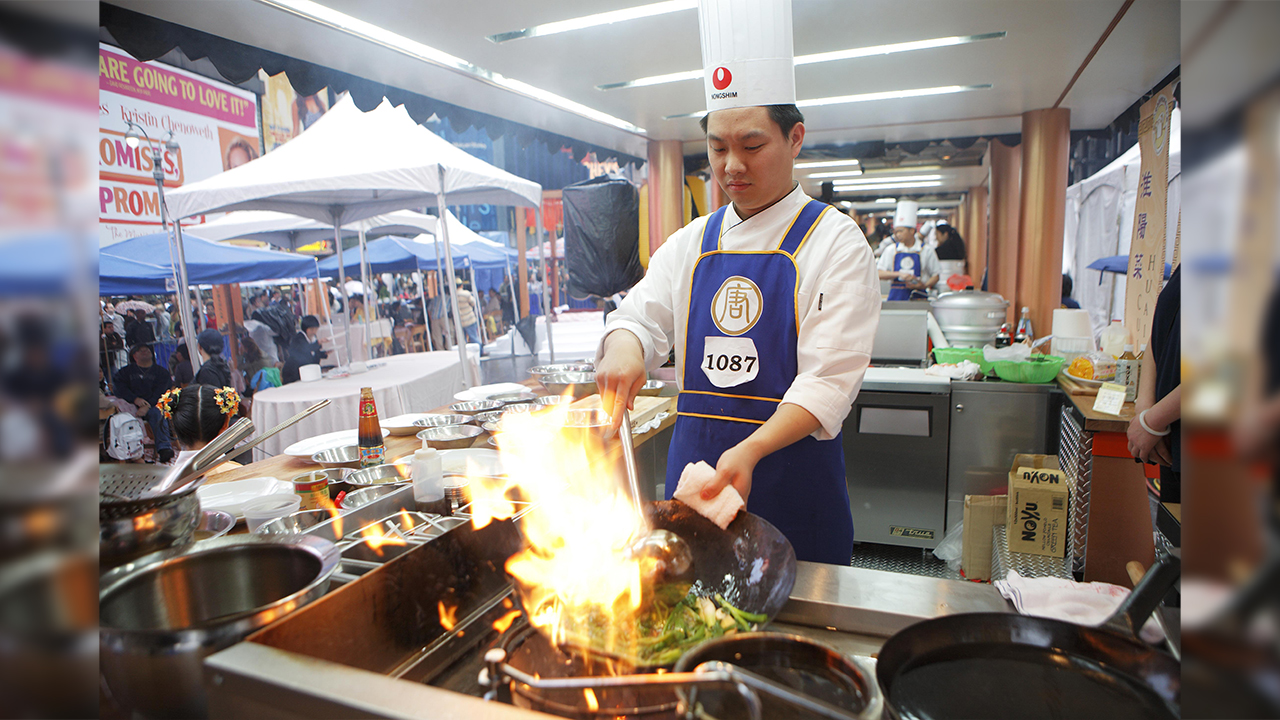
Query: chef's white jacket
(836, 271)
(929, 263)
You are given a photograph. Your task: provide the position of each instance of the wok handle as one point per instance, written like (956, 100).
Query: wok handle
(1146, 596)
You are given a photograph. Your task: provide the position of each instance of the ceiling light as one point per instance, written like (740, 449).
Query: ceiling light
(901, 168)
(865, 97)
(817, 57)
(882, 180)
(605, 18)
(825, 163)
(886, 201)
(929, 212)
(886, 186)
(841, 173)
(315, 12)
(846, 204)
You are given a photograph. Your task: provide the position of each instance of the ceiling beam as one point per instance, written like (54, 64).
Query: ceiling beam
(1105, 34)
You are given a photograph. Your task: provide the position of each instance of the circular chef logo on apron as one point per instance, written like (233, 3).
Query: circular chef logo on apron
(909, 264)
(737, 305)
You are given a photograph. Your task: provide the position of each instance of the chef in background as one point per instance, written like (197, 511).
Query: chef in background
(771, 303)
(910, 265)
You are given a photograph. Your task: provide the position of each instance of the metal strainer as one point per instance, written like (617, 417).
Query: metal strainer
(125, 489)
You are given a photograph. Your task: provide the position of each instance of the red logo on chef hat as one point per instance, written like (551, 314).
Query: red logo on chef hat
(721, 78)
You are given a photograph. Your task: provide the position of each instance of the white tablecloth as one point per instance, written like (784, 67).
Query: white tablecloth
(417, 382)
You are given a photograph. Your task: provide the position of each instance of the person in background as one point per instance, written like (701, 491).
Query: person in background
(251, 361)
(1067, 287)
(438, 322)
(950, 244)
(139, 331)
(112, 347)
(109, 314)
(1155, 434)
(180, 366)
(1256, 431)
(164, 322)
(468, 313)
(304, 349)
(141, 383)
(214, 369)
(912, 266)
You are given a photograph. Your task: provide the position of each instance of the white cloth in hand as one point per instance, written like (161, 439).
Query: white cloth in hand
(721, 509)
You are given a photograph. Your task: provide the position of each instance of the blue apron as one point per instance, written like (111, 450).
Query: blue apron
(801, 488)
(898, 290)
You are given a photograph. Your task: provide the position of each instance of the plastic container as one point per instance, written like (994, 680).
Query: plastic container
(955, 355)
(268, 508)
(1093, 366)
(1070, 348)
(1114, 338)
(1037, 369)
(1072, 323)
(428, 475)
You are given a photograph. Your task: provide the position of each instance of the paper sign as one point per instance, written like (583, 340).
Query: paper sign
(1110, 399)
(1146, 249)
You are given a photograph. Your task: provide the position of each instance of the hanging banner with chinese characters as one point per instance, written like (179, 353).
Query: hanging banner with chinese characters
(1146, 250)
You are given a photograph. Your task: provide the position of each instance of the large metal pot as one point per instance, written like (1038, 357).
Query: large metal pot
(970, 318)
(128, 527)
(163, 614)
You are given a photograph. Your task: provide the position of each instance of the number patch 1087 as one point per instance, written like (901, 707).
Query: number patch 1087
(731, 363)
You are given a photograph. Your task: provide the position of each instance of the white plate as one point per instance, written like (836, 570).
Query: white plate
(1082, 381)
(312, 445)
(231, 496)
(403, 424)
(484, 392)
(485, 462)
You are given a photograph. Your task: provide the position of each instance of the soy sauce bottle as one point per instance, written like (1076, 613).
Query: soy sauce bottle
(1004, 338)
(370, 430)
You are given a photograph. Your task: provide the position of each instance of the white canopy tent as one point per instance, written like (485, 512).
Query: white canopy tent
(350, 166)
(1099, 223)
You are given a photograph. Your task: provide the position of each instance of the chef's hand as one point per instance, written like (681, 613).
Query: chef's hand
(1147, 447)
(734, 468)
(905, 275)
(620, 374)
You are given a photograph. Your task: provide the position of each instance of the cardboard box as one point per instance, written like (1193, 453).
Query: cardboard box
(1038, 505)
(981, 514)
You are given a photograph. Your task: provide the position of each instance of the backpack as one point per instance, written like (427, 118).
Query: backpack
(124, 437)
(267, 377)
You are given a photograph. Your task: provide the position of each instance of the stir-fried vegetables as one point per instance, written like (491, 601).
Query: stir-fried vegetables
(666, 631)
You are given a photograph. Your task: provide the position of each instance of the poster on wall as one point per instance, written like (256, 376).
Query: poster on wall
(285, 113)
(215, 125)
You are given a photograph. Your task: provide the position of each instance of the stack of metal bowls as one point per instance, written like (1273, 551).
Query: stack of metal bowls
(450, 437)
(577, 384)
(347, 456)
(539, 371)
(164, 613)
(391, 474)
(298, 523)
(474, 407)
(970, 318)
(430, 421)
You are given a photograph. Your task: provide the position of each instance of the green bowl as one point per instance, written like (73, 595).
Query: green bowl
(957, 354)
(1038, 369)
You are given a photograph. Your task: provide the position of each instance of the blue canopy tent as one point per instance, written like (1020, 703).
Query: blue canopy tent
(1120, 264)
(39, 264)
(393, 254)
(119, 276)
(213, 263)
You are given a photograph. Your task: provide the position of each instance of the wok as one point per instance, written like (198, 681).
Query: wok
(751, 564)
(998, 665)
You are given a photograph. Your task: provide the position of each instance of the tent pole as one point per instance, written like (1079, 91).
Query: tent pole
(475, 290)
(184, 307)
(342, 283)
(325, 304)
(543, 297)
(448, 266)
(435, 244)
(364, 283)
(515, 304)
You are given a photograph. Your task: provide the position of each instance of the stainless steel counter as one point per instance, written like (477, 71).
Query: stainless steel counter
(850, 609)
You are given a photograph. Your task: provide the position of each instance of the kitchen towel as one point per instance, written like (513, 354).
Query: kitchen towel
(721, 509)
(1088, 603)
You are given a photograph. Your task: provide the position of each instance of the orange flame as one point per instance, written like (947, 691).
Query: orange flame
(448, 615)
(504, 622)
(406, 521)
(336, 514)
(592, 704)
(375, 537)
(573, 573)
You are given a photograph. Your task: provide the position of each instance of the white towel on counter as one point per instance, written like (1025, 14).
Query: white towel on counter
(1087, 604)
(722, 508)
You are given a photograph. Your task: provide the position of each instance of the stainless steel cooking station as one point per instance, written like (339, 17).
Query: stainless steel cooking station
(376, 647)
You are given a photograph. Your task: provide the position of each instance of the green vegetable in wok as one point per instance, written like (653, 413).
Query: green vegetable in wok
(662, 633)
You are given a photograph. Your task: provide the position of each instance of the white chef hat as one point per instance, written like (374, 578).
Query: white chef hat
(747, 54)
(905, 214)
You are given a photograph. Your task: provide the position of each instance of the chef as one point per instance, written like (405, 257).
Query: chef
(771, 303)
(910, 264)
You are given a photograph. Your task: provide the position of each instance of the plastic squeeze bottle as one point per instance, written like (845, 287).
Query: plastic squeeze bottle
(428, 476)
